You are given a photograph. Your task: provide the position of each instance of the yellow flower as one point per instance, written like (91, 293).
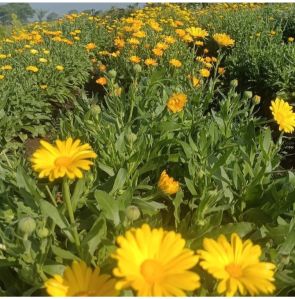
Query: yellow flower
(90, 46)
(283, 115)
(180, 32)
(197, 32)
(155, 262)
(199, 43)
(32, 69)
(102, 67)
(59, 68)
(6, 67)
(290, 39)
(221, 70)
(162, 46)
(80, 280)
(134, 59)
(43, 60)
(43, 86)
(101, 81)
(2, 77)
(139, 34)
(175, 62)
(237, 265)
(169, 40)
(195, 81)
(204, 73)
(133, 41)
(64, 159)
(150, 61)
(166, 183)
(34, 52)
(119, 42)
(223, 40)
(46, 52)
(158, 52)
(3, 56)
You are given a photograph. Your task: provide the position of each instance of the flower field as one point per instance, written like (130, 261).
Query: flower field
(149, 154)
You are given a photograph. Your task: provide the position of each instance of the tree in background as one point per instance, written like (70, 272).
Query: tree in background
(23, 11)
(52, 16)
(40, 14)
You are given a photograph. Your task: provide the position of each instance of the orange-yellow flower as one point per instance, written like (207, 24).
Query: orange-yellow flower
(223, 40)
(175, 62)
(135, 59)
(101, 81)
(32, 69)
(176, 102)
(150, 62)
(204, 73)
(90, 46)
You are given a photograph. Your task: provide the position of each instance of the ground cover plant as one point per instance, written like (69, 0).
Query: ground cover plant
(147, 154)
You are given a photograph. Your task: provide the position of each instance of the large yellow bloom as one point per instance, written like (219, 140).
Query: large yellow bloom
(223, 40)
(154, 262)
(64, 159)
(167, 184)
(80, 280)
(237, 265)
(283, 115)
(197, 32)
(176, 102)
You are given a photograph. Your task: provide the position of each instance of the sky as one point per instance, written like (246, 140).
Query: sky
(62, 8)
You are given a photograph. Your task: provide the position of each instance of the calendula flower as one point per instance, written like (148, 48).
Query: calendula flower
(167, 184)
(283, 115)
(150, 62)
(43, 86)
(2, 77)
(135, 59)
(34, 52)
(175, 62)
(119, 43)
(170, 40)
(237, 265)
(180, 32)
(221, 70)
(290, 39)
(90, 46)
(223, 40)
(101, 81)
(195, 81)
(64, 159)
(199, 43)
(139, 34)
(46, 52)
(80, 280)
(204, 73)
(59, 68)
(133, 41)
(162, 46)
(6, 67)
(197, 32)
(158, 52)
(3, 56)
(155, 262)
(32, 68)
(43, 60)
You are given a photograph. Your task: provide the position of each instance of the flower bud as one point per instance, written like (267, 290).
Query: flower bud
(248, 94)
(95, 110)
(42, 232)
(27, 225)
(256, 99)
(137, 68)
(234, 83)
(112, 74)
(132, 213)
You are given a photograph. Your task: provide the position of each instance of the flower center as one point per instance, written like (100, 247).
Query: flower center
(63, 161)
(234, 270)
(87, 293)
(151, 270)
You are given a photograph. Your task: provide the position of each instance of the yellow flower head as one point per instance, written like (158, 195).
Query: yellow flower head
(237, 265)
(290, 39)
(101, 81)
(162, 46)
(80, 280)
(64, 159)
(197, 32)
(195, 81)
(119, 43)
(223, 40)
(204, 73)
(59, 68)
(221, 70)
(150, 61)
(283, 115)
(3, 56)
(176, 102)
(90, 46)
(133, 41)
(158, 51)
(34, 52)
(175, 63)
(199, 43)
(135, 59)
(6, 67)
(170, 40)
(167, 184)
(43, 60)
(155, 262)
(32, 69)
(43, 86)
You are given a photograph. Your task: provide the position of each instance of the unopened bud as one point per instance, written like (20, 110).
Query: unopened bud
(132, 213)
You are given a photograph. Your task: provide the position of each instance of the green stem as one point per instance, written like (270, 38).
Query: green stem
(51, 196)
(67, 199)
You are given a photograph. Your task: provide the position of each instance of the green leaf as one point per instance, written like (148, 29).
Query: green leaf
(120, 180)
(107, 169)
(108, 205)
(54, 269)
(176, 203)
(64, 254)
(190, 185)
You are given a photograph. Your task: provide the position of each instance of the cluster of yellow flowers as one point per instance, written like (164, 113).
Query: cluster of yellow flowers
(153, 262)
